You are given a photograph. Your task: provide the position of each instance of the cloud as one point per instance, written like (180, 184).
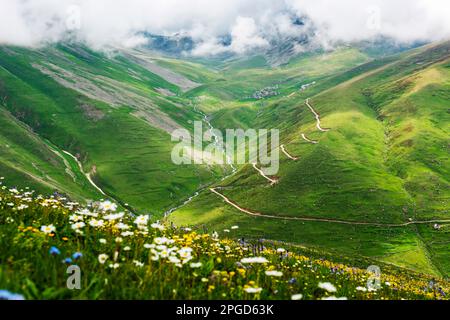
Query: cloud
(246, 36)
(250, 24)
(403, 20)
(13, 29)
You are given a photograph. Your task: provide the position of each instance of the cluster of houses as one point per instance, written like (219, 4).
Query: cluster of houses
(266, 92)
(307, 85)
(273, 91)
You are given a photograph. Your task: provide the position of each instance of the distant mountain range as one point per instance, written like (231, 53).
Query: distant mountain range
(281, 49)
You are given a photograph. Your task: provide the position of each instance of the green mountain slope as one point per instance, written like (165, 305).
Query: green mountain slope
(26, 157)
(108, 114)
(130, 101)
(97, 125)
(384, 163)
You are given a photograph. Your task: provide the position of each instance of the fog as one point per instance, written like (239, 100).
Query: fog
(250, 24)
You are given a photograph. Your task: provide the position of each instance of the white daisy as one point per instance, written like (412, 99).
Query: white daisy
(107, 206)
(160, 240)
(334, 298)
(122, 226)
(158, 226)
(22, 207)
(96, 223)
(174, 260)
(76, 218)
(274, 273)
(195, 265)
(102, 258)
(253, 290)
(185, 252)
(254, 260)
(327, 286)
(78, 225)
(86, 212)
(363, 289)
(114, 216)
(138, 263)
(141, 220)
(48, 229)
(297, 296)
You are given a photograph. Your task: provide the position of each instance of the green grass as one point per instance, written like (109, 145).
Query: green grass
(385, 160)
(26, 157)
(132, 158)
(114, 265)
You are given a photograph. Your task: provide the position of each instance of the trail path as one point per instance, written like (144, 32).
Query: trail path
(317, 116)
(311, 219)
(87, 175)
(283, 149)
(66, 163)
(309, 140)
(272, 181)
(360, 223)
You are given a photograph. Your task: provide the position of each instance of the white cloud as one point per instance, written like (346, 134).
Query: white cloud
(13, 29)
(404, 20)
(246, 36)
(209, 47)
(135, 41)
(250, 23)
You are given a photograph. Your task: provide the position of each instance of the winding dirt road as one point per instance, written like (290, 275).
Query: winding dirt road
(355, 223)
(272, 181)
(311, 219)
(309, 140)
(283, 149)
(87, 175)
(317, 116)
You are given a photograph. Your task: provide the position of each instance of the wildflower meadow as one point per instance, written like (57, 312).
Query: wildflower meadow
(126, 256)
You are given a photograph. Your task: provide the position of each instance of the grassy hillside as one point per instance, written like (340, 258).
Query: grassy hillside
(384, 162)
(131, 101)
(374, 185)
(26, 157)
(109, 115)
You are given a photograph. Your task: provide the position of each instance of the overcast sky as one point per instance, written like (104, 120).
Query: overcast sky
(250, 23)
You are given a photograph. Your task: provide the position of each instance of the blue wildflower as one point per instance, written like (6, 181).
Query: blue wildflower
(77, 255)
(54, 251)
(292, 281)
(6, 295)
(67, 261)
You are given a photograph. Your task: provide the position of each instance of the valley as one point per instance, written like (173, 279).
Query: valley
(364, 166)
(340, 171)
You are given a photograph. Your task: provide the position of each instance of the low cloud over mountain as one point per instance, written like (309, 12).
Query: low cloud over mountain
(215, 27)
